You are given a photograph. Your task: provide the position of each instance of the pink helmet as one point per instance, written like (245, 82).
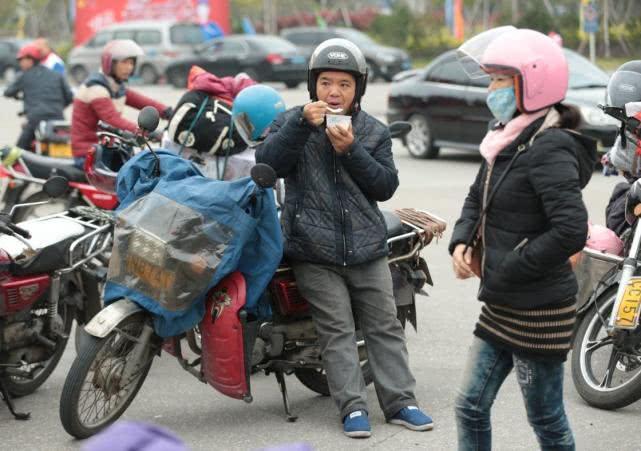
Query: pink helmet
(117, 50)
(602, 239)
(538, 63)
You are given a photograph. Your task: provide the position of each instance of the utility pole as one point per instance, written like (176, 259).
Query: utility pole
(515, 11)
(606, 27)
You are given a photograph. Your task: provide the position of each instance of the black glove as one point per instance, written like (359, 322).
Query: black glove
(169, 111)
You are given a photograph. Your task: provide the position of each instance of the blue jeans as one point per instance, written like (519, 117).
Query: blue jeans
(541, 385)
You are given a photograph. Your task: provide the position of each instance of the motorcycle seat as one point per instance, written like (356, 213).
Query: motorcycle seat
(43, 167)
(393, 223)
(50, 239)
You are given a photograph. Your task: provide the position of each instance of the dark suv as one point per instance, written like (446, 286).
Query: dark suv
(384, 62)
(8, 65)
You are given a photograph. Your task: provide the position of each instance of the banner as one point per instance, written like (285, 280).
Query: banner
(94, 15)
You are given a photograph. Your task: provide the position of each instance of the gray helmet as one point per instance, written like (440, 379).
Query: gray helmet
(338, 54)
(625, 84)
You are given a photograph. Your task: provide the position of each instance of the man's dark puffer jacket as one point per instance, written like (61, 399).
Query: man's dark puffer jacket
(539, 201)
(330, 214)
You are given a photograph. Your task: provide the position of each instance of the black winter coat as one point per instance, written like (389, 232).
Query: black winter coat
(46, 93)
(536, 220)
(330, 214)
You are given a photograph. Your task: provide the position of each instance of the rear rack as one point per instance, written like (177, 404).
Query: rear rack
(423, 221)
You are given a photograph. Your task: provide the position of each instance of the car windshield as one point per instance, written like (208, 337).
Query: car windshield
(274, 44)
(189, 34)
(356, 36)
(584, 74)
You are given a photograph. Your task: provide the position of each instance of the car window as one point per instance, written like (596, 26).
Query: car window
(100, 39)
(225, 48)
(186, 34)
(584, 74)
(273, 44)
(124, 34)
(357, 37)
(323, 36)
(149, 37)
(303, 38)
(448, 71)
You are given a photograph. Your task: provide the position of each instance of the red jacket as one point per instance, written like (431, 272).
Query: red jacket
(100, 98)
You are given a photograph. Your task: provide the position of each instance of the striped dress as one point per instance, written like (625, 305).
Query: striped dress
(545, 332)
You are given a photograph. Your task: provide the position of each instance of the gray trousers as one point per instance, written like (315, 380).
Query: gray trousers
(336, 294)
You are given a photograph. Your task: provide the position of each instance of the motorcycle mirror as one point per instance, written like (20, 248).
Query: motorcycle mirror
(56, 186)
(399, 129)
(148, 119)
(263, 175)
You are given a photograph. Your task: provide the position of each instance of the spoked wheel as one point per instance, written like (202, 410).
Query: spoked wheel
(105, 378)
(40, 371)
(316, 378)
(606, 369)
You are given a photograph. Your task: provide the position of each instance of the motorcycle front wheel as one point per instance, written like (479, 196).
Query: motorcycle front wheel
(95, 394)
(606, 370)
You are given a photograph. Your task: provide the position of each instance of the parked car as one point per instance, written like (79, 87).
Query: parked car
(447, 108)
(263, 57)
(162, 41)
(8, 65)
(383, 62)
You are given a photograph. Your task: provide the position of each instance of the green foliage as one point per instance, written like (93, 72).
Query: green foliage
(422, 36)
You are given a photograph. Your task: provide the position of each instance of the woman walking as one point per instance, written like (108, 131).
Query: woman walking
(521, 221)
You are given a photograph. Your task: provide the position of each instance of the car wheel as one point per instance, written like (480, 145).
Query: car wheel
(9, 74)
(79, 74)
(419, 140)
(148, 74)
(178, 79)
(292, 84)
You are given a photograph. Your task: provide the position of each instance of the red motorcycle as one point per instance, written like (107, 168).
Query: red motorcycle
(228, 345)
(21, 169)
(47, 278)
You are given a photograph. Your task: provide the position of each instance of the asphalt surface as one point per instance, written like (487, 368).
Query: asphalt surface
(207, 420)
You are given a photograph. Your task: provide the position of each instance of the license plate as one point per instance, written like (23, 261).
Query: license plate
(151, 275)
(628, 313)
(60, 150)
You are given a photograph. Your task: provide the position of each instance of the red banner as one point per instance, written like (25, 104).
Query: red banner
(93, 15)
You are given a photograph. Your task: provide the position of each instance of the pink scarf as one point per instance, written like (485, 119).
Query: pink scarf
(497, 140)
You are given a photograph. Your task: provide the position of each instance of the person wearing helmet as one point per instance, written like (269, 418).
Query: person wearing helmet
(45, 93)
(103, 96)
(521, 221)
(50, 59)
(200, 128)
(335, 235)
(624, 95)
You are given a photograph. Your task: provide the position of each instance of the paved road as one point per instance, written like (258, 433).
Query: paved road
(207, 420)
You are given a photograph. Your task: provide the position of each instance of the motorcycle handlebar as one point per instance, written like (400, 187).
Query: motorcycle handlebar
(631, 124)
(124, 134)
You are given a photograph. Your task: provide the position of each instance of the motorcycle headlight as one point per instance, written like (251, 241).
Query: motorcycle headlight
(594, 116)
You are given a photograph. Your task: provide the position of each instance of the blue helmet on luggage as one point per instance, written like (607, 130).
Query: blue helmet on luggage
(253, 111)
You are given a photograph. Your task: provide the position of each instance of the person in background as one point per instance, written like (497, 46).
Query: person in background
(521, 221)
(45, 93)
(103, 96)
(50, 59)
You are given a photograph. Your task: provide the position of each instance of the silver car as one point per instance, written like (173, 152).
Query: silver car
(162, 42)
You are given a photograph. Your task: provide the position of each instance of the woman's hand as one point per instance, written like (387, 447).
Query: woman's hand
(462, 261)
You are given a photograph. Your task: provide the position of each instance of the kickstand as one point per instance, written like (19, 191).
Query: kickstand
(7, 398)
(283, 389)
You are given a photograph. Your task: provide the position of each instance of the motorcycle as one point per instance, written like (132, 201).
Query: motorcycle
(228, 345)
(606, 356)
(47, 278)
(20, 169)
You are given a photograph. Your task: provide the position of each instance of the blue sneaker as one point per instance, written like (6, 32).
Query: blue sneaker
(412, 418)
(356, 425)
